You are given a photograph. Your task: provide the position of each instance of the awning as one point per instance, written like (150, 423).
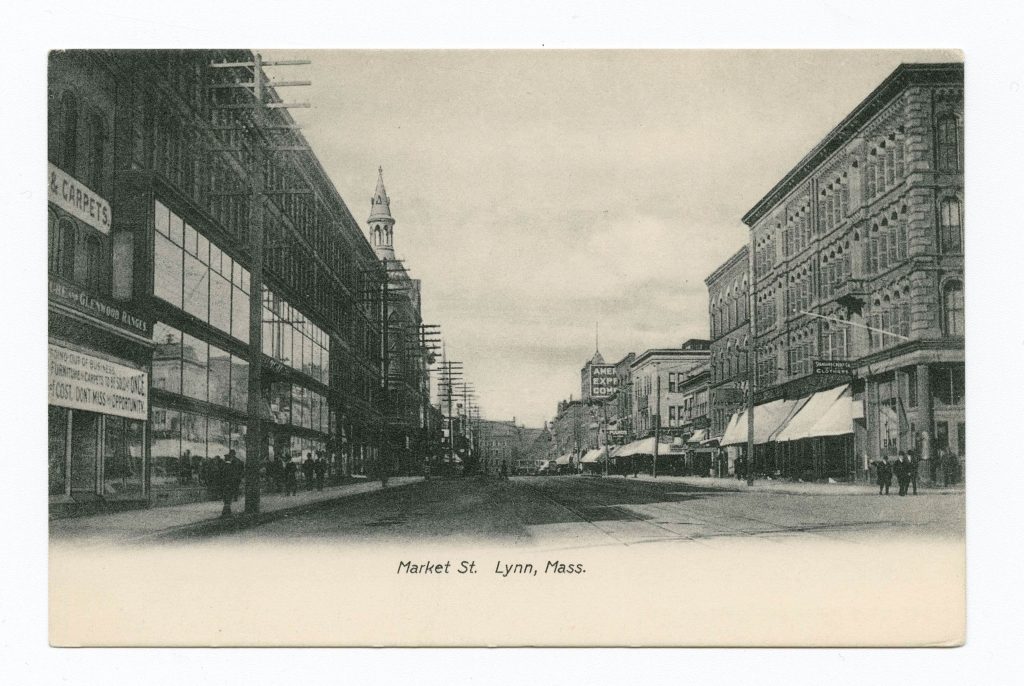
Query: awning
(768, 419)
(564, 459)
(826, 413)
(644, 446)
(698, 436)
(594, 456)
(712, 442)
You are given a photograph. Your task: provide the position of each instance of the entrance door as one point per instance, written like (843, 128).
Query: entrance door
(85, 443)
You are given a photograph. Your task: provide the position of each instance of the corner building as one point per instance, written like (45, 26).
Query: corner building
(858, 261)
(199, 183)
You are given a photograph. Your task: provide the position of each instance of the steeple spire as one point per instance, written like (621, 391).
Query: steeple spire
(380, 221)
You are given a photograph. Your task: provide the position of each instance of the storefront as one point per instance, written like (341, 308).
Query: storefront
(97, 414)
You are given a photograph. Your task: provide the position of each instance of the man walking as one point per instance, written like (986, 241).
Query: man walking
(884, 471)
(232, 473)
(307, 471)
(320, 469)
(902, 472)
(914, 463)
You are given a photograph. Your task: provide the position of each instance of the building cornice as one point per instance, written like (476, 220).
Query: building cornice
(903, 77)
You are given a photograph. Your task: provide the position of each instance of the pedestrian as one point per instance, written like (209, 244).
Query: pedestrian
(307, 471)
(884, 471)
(902, 470)
(504, 470)
(320, 469)
(912, 456)
(215, 477)
(939, 466)
(185, 468)
(290, 477)
(231, 479)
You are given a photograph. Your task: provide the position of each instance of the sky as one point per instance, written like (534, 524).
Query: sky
(540, 193)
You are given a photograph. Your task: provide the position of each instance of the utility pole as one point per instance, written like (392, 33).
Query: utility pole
(262, 143)
(657, 421)
(751, 364)
(604, 427)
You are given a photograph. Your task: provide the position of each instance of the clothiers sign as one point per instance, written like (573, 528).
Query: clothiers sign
(839, 367)
(85, 382)
(70, 194)
(79, 299)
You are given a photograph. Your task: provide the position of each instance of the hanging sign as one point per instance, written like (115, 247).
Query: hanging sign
(85, 382)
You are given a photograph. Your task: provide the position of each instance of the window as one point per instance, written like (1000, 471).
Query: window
(947, 384)
(97, 149)
(93, 265)
(67, 146)
(951, 233)
(953, 308)
(672, 382)
(948, 144)
(63, 259)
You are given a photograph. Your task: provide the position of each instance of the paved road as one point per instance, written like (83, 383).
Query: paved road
(584, 511)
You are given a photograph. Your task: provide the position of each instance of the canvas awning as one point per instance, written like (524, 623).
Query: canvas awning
(564, 459)
(769, 418)
(826, 413)
(698, 436)
(645, 446)
(592, 456)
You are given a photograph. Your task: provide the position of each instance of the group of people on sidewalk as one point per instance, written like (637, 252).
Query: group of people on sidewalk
(904, 468)
(283, 473)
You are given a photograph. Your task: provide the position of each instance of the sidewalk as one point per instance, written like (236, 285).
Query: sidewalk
(138, 525)
(762, 485)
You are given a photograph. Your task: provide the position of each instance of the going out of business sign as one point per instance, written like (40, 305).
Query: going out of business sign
(70, 194)
(85, 382)
(603, 380)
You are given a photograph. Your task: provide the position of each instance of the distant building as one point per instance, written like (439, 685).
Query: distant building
(660, 369)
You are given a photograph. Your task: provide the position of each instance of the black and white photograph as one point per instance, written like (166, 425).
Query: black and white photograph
(607, 331)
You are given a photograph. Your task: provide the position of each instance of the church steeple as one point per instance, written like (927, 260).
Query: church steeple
(380, 221)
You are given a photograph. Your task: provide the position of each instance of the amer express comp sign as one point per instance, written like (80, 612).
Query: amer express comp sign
(85, 382)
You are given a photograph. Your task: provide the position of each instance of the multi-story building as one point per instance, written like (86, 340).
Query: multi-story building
(598, 380)
(169, 177)
(858, 284)
(728, 309)
(498, 442)
(575, 429)
(655, 376)
(405, 354)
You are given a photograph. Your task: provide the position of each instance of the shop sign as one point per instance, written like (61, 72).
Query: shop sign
(839, 367)
(726, 397)
(85, 382)
(79, 299)
(73, 196)
(603, 380)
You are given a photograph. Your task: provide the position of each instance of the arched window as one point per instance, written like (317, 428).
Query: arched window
(63, 259)
(948, 134)
(951, 234)
(97, 148)
(953, 308)
(67, 146)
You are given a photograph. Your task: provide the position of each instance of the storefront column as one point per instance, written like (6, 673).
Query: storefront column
(924, 409)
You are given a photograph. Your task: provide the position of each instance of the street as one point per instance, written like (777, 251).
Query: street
(581, 512)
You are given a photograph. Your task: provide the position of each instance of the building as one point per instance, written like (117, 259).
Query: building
(536, 450)
(404, 348)
(575, 430)
(728, 314)
(498, 442)
(655, 375)
(598, 380)
(858, 287)
(203, 266)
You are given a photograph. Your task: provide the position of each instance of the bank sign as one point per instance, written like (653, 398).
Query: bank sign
(73, 196)
(603, 381)
(85, 382)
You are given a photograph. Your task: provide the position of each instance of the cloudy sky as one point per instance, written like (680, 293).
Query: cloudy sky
(539, 192)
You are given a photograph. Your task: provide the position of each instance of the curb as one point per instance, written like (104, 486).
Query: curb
(242, 521)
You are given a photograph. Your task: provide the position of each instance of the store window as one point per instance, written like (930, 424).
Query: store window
(165, 446)
(123, 469)
(291, 338)
(947, 384)
(58, 449)
(85, 436)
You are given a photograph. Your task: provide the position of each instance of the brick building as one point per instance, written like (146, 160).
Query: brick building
(728, 310)
(858, 261)
(661, 369)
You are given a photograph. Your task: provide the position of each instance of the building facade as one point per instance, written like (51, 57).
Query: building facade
(404, 350)
(728, 314)
(655, 375)
(180, 179)
(859, 282)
